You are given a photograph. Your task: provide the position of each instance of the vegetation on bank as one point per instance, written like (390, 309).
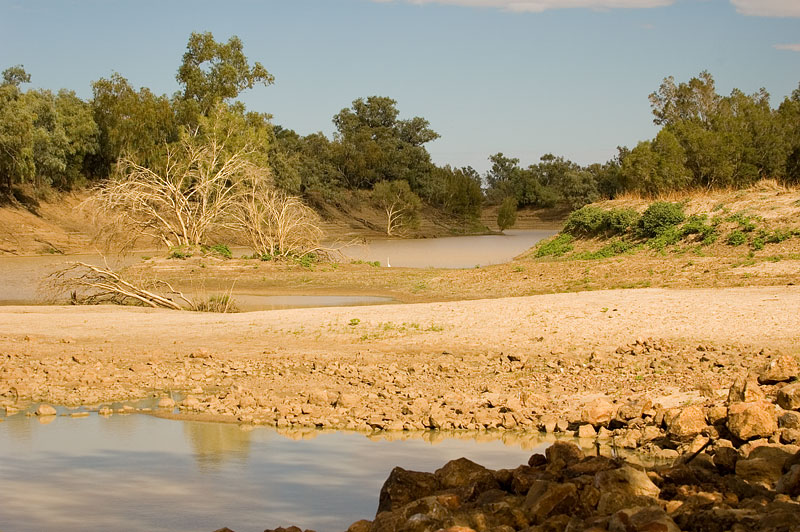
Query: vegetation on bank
(56, 140)
(753, 217)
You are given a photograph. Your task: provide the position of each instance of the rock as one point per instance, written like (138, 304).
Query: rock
(745, 390)
(764, 465)
(781, 369)
(717, 415)
(547, 423)
(633, 409)
(465, 474)
(789, 420)
(752, 420)
(587, 431)
(348, 400)
(598, 412)
(45, 410)
(166, 402)
(360, 526)
(789, 397)
(789, 484)
(626, 479)
(403, 487)
(319, 398)
(688, 422)
(725, 459)
(547, 498)
(650, 519)
(563, 453)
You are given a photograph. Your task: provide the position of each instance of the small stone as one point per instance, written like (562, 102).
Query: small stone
(752, 420)
(789, 397)
(586, 431)
(45, 410)
(789, 420)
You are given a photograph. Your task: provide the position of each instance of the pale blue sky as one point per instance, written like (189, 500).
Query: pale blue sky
(534, 79)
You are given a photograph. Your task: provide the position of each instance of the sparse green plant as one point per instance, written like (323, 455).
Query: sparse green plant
(736, 238)
(667, 237)
(354, 321)
(222, 303)
(745, 222)
(519, 269)
(556, 246)
(222, 249)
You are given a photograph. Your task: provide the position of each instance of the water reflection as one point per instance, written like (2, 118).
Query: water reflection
(213, 443)
(142, 473)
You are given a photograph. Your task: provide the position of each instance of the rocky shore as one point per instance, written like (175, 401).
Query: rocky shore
(736, 468)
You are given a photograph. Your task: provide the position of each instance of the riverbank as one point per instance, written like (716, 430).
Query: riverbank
(470, 364)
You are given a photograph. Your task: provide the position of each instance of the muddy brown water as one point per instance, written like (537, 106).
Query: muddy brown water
(20, 277)
(142, 473)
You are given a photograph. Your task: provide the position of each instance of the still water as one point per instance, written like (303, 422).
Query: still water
(448, 252)
(141, 473)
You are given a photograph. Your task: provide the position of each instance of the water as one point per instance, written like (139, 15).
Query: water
(141, 473)
(20, 276)
(448, 252)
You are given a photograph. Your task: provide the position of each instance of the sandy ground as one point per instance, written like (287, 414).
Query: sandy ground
(500, 363)
(575, 322)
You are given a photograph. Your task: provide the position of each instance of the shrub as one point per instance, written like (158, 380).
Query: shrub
(592, 220)
(745, 222)
(556, 246)
(659, 218)
(696, 225)
(736, 238)
(618, 221)
(616, 247)
(222, 249)
(667, 237)
(586, 221)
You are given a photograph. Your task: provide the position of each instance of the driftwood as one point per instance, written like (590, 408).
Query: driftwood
(92, 285)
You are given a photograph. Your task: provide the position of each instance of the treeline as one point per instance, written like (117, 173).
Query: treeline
(57, 140)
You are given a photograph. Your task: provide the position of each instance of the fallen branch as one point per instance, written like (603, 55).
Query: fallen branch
(92, 285)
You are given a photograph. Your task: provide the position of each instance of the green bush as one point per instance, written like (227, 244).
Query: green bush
(659, 218)
(612, 249)
(745, 222)
(667, 237)
(507, 214)
(592, 220)
(556, 246)
(618, 221)
(737, 238)
(589, 220)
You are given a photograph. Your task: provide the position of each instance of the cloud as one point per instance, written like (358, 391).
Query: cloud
(537, 6)
(790, 47)
(768, 8)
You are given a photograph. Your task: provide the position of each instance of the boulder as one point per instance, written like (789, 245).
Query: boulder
(780, 369)
(166, 402)
(563, 453)
(745, 390)
(598, 412)
(649, 519)
(626, 479)
(764, 465)
(403, 487)
(633, 409)
(752, 420)
(465, 474)
(360, 526)
(546, 499)
(688, 422)
(789, 397)
(789, 484)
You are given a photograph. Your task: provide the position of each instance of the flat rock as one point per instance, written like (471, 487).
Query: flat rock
(45, 410)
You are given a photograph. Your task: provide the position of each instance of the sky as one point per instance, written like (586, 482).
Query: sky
(522, 77)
